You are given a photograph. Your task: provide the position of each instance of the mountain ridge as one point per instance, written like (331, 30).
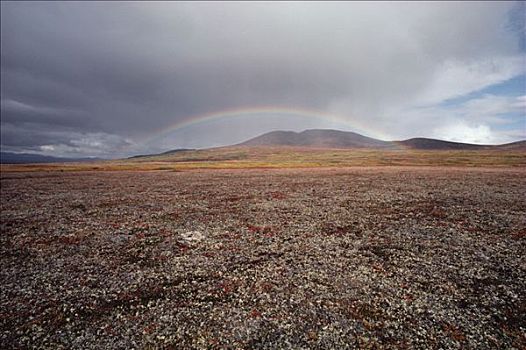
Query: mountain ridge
(329, 138)
(321, 138)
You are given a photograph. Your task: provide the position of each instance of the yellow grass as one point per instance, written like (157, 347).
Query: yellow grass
(268, 157)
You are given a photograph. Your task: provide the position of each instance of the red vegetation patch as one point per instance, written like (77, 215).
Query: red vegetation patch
(329, 229)
(454, 332)
(278, 195)
(519, 234)
(438, 213)
(265, 230)
(255, 313)
(226, 287)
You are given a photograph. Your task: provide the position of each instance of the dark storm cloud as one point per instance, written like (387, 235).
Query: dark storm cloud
(17, 113)
(104, 71)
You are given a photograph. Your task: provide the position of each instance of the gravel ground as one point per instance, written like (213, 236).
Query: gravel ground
(334, 258)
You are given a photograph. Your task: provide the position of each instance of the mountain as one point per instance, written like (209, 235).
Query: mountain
(23, 158)
(318, 138)
(321, 138)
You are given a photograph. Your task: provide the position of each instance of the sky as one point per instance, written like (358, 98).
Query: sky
(113, 79)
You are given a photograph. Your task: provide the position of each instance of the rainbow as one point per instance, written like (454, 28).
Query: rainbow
(259, 111)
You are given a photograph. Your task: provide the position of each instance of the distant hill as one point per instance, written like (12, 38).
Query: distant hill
(173, 151)
(432, 144)
(318, 138)
(331, 139)
(24, 158)
(514, 146)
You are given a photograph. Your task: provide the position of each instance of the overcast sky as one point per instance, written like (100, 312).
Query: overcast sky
(105, 79)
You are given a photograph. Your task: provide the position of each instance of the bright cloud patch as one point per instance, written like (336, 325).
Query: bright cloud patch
(490, 119)
(462, 132)
(457, 78)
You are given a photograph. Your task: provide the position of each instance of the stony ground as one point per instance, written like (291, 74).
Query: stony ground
(266, 259)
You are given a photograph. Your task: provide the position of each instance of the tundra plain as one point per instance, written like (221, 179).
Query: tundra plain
(349, 257)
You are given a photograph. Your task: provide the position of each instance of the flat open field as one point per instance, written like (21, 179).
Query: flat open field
(290, 157)
(370, 257)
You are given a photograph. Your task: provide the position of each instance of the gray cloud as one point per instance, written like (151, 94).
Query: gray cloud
(125, 70)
